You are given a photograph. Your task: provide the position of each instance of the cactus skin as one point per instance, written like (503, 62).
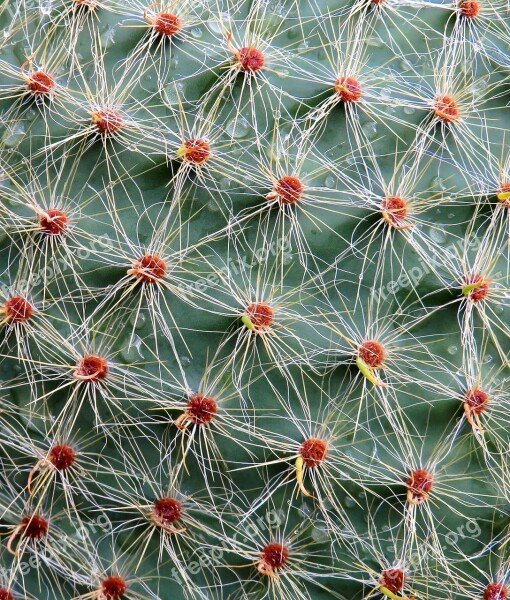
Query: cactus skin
(255, 299)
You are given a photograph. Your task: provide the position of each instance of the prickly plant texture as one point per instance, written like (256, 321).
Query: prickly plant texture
(254, 299)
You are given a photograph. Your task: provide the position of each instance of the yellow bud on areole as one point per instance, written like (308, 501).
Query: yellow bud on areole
(368, 373)
(247, 322)
(470, 287)
(181, 152)
(299, 476)
(503, 196)
(386, 592)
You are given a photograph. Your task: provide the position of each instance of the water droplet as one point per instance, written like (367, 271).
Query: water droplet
(349, 502)
(196, 32)
(185, 361)
(216, 25)
(14, 134)
(173, 92)
(370, 129)
(330, 181)
(375, 41)
(438, 183)
(409, 110)
(132, 353)
(138, 322)
(46, 7)
(438, 235)
(452, 349)
(108, 37)
(224, 183)
(238, 127)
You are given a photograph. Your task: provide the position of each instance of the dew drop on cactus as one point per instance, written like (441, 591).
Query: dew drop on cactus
(52, 221)
(149, 269)
(40, 83)
(166, 24)
(62, 457)
(446, 109)
(272, 558)
(419, 483)
(313, 452)
(166, 511)
(92, 369)
(469, 8)
(17, 310)
(107, 121)
(258, 317)
(393, 579)
(113, 588)
(287, 189)
(372, 353)
(348, 89)
(495, 591)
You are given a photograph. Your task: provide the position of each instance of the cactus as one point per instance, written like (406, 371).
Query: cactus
(255, 299)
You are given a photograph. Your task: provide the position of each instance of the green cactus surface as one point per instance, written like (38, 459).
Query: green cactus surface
(255, 299)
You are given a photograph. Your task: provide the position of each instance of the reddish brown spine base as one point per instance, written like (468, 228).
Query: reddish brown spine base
(40, 83)
(113, 588)
(87, 3)
(495, 591)
(446, 109)
(372, 353)
(477, 400)
(18, 310)
(313, 451)
(272, 558)
(149, 269)
(288, 190)
(166, 24)
(62, 457)
(5, 594)
(394, 211)
(52, 221)
(419, 484)
(481, 291)
(107, 121)
(166, 511)
(393, 579)
(201, 409)
(92, 369)
(195, 151)
(250, 59)
(261, 316)
(34, 527)
(469, 9)
(348, 89)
